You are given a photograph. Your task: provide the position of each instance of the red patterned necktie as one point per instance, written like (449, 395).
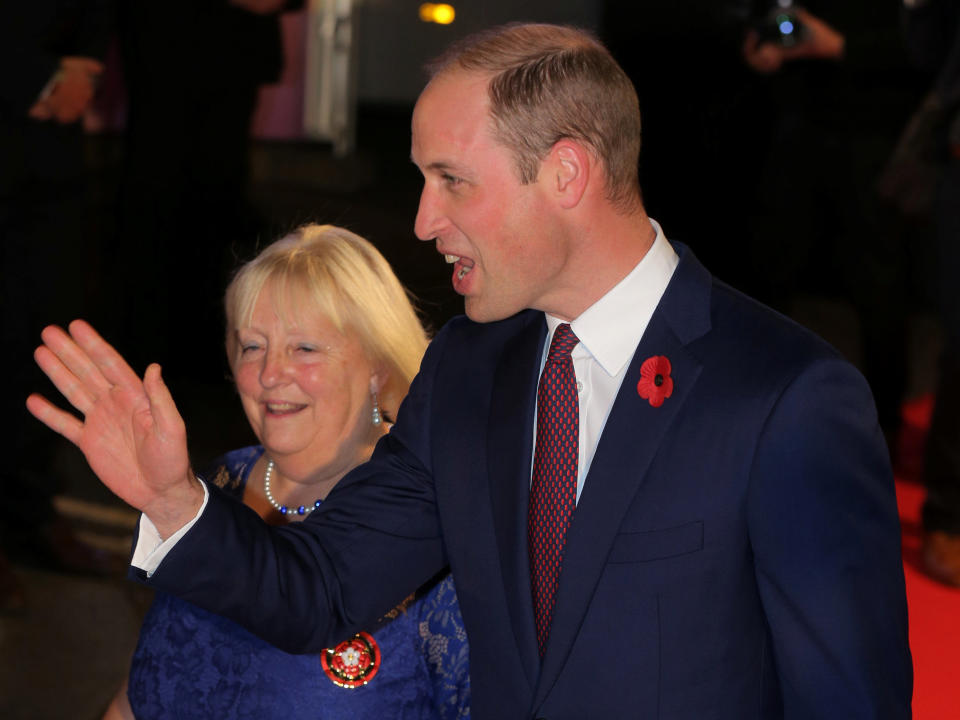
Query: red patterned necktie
(553, 493)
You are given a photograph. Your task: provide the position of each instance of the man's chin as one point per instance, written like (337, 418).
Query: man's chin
(481, 312)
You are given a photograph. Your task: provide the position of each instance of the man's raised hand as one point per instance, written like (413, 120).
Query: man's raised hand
(131, 433)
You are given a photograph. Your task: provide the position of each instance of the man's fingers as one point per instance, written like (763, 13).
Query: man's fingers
(75, 361)
(162, 407)
(54, 418)
(65, 380)
(109, 363)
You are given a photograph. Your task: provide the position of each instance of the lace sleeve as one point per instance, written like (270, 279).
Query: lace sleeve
(443, 642)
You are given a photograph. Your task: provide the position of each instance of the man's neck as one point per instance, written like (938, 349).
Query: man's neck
(613, 249)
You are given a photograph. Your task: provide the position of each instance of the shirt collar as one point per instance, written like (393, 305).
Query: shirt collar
(611, 328)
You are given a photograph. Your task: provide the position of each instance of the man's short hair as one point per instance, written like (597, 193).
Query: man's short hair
(550, 82)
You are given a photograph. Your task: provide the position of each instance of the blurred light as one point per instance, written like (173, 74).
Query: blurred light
(439, 13)
(786, 27)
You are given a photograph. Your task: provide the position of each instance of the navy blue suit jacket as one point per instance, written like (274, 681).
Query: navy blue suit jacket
(735, 553)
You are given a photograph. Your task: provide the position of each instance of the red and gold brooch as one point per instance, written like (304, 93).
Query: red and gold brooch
(353, 662)
(655, 382)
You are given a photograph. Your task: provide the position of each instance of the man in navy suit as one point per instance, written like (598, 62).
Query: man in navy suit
(733, 549)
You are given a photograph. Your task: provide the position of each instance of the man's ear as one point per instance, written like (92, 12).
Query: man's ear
(569, 164)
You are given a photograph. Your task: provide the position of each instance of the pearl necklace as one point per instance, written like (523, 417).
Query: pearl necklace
(284, 510)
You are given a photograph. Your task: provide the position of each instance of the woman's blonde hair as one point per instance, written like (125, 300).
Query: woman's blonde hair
(334, 272)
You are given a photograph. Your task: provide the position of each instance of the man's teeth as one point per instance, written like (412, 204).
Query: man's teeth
(464, 269)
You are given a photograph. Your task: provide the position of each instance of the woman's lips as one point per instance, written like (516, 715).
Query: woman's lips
(283, 408)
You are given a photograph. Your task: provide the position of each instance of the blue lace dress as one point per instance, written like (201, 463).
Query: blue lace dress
(192, 664)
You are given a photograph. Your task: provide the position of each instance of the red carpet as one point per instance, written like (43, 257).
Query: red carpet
(934, 608)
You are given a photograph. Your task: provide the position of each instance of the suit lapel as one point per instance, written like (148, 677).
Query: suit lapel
(630, 440)
(510, 448)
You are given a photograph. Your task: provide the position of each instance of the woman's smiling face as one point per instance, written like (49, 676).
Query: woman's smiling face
(306, 389)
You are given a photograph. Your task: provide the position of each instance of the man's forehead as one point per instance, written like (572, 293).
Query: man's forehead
(455, 79)
(450, 117)
(453, 91)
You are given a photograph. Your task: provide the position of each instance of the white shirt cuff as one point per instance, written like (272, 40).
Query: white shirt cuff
(151, 549)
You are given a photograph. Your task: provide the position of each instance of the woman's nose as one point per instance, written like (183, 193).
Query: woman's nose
(274, 368)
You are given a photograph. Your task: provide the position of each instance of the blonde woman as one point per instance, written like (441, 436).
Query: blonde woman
(323, 343)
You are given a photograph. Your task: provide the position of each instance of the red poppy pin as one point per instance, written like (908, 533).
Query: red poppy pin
(655, 382)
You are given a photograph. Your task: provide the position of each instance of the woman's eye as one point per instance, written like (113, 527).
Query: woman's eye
(248, 348)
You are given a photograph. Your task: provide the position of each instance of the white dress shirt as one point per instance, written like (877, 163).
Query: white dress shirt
(609, 332)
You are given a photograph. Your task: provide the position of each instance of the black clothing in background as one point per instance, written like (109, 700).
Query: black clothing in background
(933, 36)
(192, 70)
(705, 118)
(778, 172)
(50, 266)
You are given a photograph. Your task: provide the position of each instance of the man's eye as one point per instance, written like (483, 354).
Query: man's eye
(248, 348)
(452, 180)
(306, 348)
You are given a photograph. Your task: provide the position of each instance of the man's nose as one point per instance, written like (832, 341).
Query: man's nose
(429, 219)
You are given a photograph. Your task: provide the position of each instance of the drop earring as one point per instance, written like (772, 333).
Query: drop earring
(377, 417)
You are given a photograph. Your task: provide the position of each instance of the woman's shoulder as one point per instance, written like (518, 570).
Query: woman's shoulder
(230, 471)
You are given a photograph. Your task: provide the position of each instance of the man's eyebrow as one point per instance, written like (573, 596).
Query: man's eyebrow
(441, 166)
(437, 165)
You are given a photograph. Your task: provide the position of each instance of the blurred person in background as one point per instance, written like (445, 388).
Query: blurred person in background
(705, 116)
(192, 73)
(322, 342)
(778, 142)
(840, 87)
(51, 56)
(924, 178)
